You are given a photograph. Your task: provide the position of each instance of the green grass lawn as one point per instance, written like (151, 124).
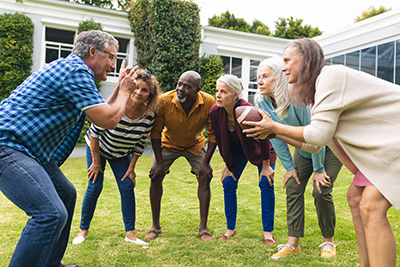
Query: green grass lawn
(179, 244)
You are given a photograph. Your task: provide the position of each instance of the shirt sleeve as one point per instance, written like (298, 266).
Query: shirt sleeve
(327, 107)
(283, 152)
(318, 159)
(79, 87)
(96, 131)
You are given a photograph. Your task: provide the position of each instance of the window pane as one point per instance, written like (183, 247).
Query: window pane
(386, 61)
(251, 97)
(253, 74)
(123, 45)
(353, 60)
(237, 67)
(227, 64)
(397, 78)
(60, 36)
(338, 60)
(51, 54)
(368, 57)
(254, 62)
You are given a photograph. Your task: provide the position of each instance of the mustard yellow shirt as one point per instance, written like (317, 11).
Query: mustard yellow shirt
(178, 131)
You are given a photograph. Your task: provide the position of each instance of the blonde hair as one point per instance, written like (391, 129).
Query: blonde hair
(281, 88)
(233, 82)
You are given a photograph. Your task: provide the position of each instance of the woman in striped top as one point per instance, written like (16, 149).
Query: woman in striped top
(121, 147)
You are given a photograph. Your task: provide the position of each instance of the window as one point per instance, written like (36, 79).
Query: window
(253, 86)
(386, 61)
(122, 54)
(353, 60)
(59, 43)
(397, 77)
(338, 60)
(368, 59)
(232, 65)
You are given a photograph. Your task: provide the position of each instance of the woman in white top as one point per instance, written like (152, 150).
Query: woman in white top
(121, 147)
(359, 113)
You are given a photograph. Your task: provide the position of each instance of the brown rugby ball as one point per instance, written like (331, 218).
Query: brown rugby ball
(248, 113)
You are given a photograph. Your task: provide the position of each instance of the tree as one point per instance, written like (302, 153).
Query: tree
(371, 12)
(291, 28)
(167, 37)
(229, 21)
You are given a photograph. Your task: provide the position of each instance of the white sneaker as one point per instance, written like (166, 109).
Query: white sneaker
(78, 240)
(137, 241)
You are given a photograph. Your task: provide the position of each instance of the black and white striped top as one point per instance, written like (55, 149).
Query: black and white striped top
(128, 137)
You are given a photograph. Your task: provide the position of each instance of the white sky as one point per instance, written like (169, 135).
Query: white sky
(327, 15)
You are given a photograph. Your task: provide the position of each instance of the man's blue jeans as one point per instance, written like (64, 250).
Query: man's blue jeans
(45, 195)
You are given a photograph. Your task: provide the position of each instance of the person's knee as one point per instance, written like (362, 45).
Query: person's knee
(229, 183)
(157, 181)
(353, 199)
(203, 180)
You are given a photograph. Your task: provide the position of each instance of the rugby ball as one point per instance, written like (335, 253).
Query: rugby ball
(248, 113)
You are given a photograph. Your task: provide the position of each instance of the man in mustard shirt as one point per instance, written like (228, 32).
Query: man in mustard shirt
(177, 132)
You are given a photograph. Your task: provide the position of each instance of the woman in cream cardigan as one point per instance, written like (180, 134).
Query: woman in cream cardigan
(359, 113)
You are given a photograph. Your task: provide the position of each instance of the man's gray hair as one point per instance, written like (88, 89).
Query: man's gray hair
(97, 39)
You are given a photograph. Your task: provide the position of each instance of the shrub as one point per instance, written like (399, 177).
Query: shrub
(16, 34)
(211, 68)
(167, 37)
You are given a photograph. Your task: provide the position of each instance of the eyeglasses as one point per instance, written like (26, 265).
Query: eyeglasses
(114, 57)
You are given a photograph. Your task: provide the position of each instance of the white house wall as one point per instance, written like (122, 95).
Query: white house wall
(247, 46)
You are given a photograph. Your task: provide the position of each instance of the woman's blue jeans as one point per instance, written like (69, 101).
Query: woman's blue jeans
(119, 167)
(267, 195)
(47, 197)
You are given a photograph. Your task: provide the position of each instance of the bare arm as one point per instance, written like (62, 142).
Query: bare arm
(109, 114)
(95, 167)
(300, 145)
(130, 173)
(205, 167)
(158, 167)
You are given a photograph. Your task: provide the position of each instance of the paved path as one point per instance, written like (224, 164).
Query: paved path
(80, 152)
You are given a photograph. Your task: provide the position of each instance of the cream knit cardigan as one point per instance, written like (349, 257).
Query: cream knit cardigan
(363, 113)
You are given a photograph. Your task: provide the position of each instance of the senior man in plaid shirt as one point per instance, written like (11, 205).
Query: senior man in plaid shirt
(39, 125)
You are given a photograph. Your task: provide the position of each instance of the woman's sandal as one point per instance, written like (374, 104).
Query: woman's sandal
(269, 241)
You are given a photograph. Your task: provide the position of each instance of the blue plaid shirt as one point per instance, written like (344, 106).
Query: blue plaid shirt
(46, 110)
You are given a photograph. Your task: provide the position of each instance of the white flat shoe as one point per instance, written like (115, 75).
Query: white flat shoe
(137, 241)
(78, 240)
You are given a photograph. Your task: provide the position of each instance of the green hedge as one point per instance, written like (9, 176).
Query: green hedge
(211, 68)
(16, 37)
(167, 37)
